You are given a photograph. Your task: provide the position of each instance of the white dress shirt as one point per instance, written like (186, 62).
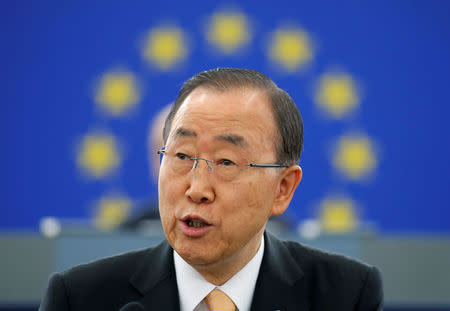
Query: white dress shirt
(193, 288)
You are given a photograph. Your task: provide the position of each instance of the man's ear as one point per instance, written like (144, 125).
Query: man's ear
(288, 182)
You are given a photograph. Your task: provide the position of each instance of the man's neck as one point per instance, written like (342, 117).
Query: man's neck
(220, 272)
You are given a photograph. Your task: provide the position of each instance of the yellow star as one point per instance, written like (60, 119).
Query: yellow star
(165, 47)
(337, 215)
(111, 211)
(337, 94)
(98, 155)
(117, 92)
(228, 31)
(291, 48)
(354, 156)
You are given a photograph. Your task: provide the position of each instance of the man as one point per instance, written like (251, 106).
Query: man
(147, 218)
(232, 143)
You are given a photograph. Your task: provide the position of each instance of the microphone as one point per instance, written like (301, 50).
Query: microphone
(132, 306)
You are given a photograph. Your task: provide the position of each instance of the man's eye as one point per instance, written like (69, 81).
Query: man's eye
(226, 162)
(182, 156)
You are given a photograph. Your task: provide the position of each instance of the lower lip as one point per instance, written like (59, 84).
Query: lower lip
(193, 232)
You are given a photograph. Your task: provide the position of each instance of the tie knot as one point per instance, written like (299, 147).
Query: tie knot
(219, 301)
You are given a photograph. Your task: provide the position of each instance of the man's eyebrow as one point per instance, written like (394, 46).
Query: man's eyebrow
(234, 139)
(182, 132)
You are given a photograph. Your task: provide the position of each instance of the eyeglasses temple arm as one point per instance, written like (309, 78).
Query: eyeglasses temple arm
(267, 165)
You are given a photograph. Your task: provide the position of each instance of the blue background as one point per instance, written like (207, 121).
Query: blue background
(52, 52)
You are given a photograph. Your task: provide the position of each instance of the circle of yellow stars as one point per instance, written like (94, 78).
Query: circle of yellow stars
(354, 156)
(117, 92)
(99, 154)
(165, 47)
(338, 214)
(337, 94)
(111, 211)
(228, 31)
(290, 49)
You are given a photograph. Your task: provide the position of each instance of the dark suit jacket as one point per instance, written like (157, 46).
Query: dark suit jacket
(291, 277)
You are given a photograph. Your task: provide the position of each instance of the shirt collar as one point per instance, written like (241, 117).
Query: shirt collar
(193, 288)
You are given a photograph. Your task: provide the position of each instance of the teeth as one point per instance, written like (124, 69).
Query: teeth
(195, 223)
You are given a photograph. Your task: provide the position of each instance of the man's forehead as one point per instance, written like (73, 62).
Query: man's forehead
(233, 105)
(240, 117)
(231, 138)
(248, 95)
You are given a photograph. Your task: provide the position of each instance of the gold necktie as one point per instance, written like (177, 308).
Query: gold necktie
(219, 301)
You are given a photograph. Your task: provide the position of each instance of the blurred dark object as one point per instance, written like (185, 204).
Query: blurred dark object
(146, 220)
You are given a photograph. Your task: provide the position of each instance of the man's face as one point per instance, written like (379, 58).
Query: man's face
(235, 124)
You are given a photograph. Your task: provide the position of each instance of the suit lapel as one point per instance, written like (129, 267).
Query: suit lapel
(280, 284)
(155, 279)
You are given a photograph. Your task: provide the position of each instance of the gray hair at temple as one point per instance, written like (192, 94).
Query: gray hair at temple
(289, 121)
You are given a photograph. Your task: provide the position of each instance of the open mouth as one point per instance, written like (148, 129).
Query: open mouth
(195, 223)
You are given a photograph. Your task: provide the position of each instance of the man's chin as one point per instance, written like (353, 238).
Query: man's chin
(196, 256)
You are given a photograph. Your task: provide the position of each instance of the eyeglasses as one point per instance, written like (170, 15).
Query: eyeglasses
(225, 169)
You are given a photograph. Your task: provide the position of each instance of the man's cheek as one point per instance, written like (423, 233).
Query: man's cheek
(167, 190)
(251, 188)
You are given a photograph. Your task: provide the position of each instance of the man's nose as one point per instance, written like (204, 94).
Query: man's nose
(200, 189)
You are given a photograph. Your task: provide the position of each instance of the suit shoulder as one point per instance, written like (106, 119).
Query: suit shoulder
(316, 259)
(347, 283)
(110, 268)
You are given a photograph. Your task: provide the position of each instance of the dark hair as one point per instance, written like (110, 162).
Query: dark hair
(287, 116)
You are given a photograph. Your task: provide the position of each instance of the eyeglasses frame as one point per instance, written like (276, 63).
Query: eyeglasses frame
(162, 151)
